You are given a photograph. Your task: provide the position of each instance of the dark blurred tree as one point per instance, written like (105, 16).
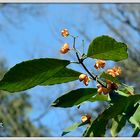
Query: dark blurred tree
(14, 116)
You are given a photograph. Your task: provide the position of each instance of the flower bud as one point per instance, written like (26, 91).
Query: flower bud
(99, 64)
(114, 86)
(86, 80)
(115, 71)
(111, 85)
(82, 77)
(84, 118)
(65, 32)
(100, 90)
(98, 85)
(105, 90)
(65, 48)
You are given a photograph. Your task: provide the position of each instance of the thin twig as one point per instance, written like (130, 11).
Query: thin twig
(94, 77)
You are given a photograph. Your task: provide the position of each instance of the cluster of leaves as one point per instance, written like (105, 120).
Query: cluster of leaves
(13, 117)
(123, 103)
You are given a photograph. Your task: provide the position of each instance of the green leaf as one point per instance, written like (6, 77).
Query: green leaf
(99, 97)
(117, 124)
(128, 89)
(75, 97)
(123, 105)
(122, 93)
(135, 119)
(74, 126)
(31, 73)
(120, 120)
(107, 48)
(115, 96)
(110, 77)
(63, 76)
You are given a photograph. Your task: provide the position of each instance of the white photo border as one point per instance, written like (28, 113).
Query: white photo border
(73, 2)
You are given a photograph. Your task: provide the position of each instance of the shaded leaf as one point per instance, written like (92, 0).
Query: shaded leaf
(115, 96)
(74, 126)
(117, 124)
(107, 48)
(123, 105)
(63, 76)
(31, 73)
(75, 97)
(99, 97)
(120, 120)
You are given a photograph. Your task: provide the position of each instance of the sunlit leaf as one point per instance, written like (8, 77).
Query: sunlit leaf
(31, 73)
(123, 105)
(117, 124)
(135, 119)
(107, 48)
(99, 97)
(62, 76)
(119, 121)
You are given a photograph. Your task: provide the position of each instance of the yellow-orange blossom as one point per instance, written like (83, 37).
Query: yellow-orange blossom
(65, 48)
(115, 71)
(84, 78)
(65, 32)
(99, 64)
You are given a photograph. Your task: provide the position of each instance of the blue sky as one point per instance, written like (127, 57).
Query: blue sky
(35, 37)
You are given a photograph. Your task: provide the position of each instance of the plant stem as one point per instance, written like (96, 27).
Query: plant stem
(81, 62)
(83, 45)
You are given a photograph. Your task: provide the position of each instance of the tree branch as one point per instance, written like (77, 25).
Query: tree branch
(94, 77)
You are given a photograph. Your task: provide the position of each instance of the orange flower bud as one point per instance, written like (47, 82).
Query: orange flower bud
(98, 85)
(99, 64)
(82, 77)
(111, 72)
(115, 71)
(100, 90)
(86, 80)
(114, 86)
(65, 32)
(111, 85)
(65, 48)
(109, 82)
(105, 90)
(84, 118)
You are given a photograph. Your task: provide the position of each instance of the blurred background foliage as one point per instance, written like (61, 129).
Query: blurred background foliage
(13, 110)
(30, 31)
